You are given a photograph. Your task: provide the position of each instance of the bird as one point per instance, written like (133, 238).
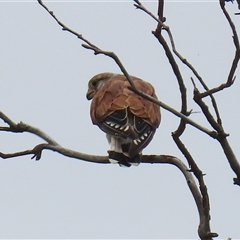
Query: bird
(129, 120)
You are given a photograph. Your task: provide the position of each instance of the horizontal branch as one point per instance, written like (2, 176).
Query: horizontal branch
(37, 153)
(152, 159)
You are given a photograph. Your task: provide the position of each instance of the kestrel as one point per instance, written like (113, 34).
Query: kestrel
(129, 120)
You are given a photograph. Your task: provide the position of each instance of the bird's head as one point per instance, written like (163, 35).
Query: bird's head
(97, 81)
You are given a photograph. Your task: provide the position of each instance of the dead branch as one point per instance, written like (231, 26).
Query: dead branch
(216, 124)
(54, 146)
(221, 138)
(231, 77)
(201, 200)
(38, 149)
(204, 227)
(97, 51)
(158, 33)
(22, 127)
(37, 153)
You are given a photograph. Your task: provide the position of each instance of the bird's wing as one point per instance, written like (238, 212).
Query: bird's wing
(115, 95)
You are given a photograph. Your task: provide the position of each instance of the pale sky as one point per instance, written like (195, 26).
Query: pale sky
(44, 75)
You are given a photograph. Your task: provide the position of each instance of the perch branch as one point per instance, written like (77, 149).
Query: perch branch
(37, 153)
(54, 146)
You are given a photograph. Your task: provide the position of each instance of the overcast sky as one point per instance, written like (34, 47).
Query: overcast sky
(44, 75)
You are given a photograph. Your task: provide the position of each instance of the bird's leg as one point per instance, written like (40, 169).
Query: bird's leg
(115, 153)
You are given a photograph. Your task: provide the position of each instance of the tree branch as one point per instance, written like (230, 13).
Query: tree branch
(231, 77)
(153, 159)
(22, 127)
(202, 201)
(222, 137)
(157, 33)
(204, 231)
(97, 51)
(216, 124)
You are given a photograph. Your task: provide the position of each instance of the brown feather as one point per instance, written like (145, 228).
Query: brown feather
(123, 114)
(114, 95)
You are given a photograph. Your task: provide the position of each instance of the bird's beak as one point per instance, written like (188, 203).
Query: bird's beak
(90, 94)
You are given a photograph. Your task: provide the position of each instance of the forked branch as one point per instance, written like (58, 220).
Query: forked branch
(52, 145)
(97, 50)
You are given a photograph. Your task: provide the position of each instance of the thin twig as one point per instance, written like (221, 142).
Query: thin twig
(190, 66)
(216, 89)
(139, 5)
(22, 127)
(231, 77)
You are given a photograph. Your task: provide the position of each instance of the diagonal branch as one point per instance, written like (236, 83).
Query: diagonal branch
(97, 50)
(216, 124)
(22, 127)
(204, 231)
(158, 35)
(201, 199)
(184, 60)
(221, 136)
(64, 27)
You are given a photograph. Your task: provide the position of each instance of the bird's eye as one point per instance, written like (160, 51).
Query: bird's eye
(94, 83)
(97, 84)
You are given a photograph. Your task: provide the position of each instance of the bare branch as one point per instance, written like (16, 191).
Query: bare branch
(217, 125)
(231, 77)
(37, 152)
(184, 60)
(216, 89)
(139, 5)
(64, 27)
(183, 91)
(201, 202)
(97, 50)
(22, 127)
(231, 159)
(234, 164)
(160, 10)
(204, 227)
